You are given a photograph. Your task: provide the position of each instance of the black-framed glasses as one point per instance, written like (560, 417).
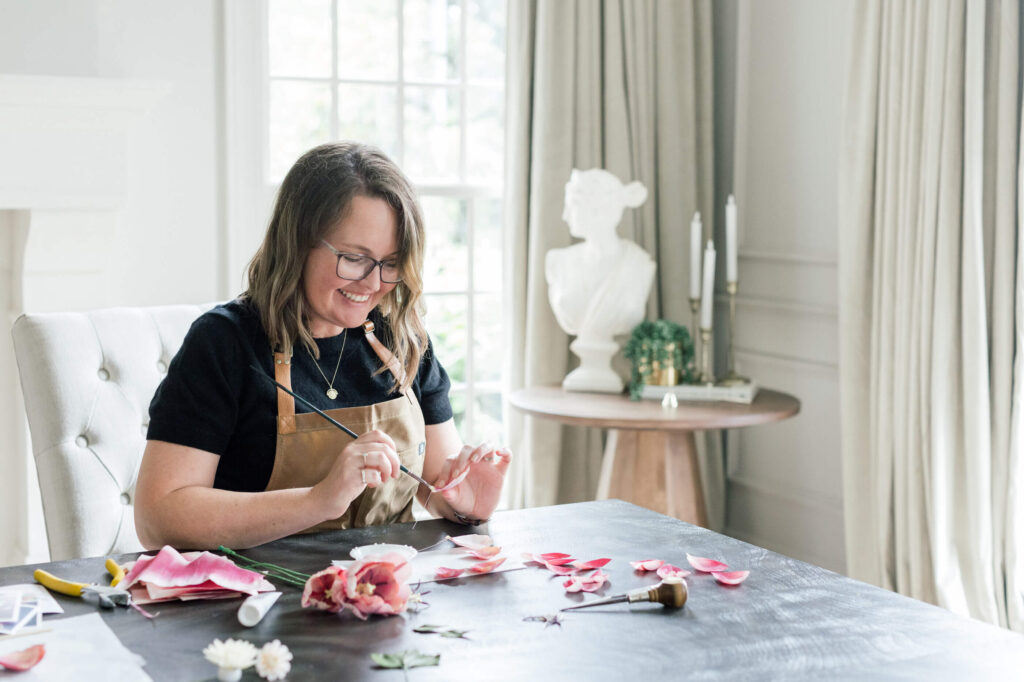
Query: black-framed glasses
(357, 266)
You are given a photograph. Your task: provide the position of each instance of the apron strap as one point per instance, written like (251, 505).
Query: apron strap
(285, 403)
(386, 356)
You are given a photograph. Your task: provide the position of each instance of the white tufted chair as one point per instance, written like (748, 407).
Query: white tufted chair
(88, 379)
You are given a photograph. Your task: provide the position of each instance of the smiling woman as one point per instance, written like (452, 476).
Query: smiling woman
(229, 461)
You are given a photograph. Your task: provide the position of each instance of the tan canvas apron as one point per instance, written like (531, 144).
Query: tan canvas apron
(307, 445)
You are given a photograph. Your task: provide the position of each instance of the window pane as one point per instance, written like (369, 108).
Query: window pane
(300, 38)
(487, 230)
(487, 420)
(368, 39)
(432, 40)
(299, 119)
(458, 400)
(446, 323)
(432, 133)
(367, 113)
(485, 35)
(487, 338)
(485, 140)
(446, 261)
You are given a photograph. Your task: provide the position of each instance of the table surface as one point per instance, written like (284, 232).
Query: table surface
(617, 411)
(789, 620)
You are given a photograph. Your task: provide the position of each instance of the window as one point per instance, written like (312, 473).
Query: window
(424, 81)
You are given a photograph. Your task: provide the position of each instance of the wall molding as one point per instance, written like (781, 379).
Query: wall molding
(831, 368)
(789, 307)
(789, 258)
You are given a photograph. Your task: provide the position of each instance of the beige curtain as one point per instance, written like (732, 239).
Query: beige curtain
(930, 304)
(626, 86)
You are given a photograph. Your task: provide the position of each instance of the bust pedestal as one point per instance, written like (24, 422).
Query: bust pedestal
(595, 372)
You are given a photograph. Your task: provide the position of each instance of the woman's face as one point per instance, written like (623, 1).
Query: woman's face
(370, 228)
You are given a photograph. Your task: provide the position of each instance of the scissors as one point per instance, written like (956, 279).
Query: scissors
(108, 596)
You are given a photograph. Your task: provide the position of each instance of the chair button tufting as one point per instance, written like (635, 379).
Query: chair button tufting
(81, 441)
(162, 367)
(103, 374)
(126, 499)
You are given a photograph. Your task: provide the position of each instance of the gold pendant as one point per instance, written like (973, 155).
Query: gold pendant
(332, 393)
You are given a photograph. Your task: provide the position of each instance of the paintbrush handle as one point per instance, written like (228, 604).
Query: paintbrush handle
(328, 417)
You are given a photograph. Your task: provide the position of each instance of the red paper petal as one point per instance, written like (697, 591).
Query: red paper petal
(24, 659)
(670, 571)
(454, 482)
(590, 565)
(706, 565)
(556, 558)
(443, 573)
(472, 541)
(730, 577)
(483, 552)
(591, 583)
(647, 564)
(487, 566)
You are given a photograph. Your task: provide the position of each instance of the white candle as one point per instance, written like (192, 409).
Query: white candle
(708, 292)
(730, 240)
(696, 238)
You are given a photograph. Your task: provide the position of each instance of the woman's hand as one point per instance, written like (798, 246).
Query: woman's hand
(477, 495)
(366, 462)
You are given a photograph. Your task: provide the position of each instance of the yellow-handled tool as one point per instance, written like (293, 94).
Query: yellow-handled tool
(108, 596)
(114, 569)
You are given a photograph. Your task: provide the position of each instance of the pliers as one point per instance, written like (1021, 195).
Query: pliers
(107, 596)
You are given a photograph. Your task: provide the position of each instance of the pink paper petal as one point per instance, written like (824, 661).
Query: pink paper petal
(472, 541)
(670, 571)
(443, 573)
(556, 558)
(24, 659)
(590, 565)
(706, 565)
(454, 482)
(647, 564)
(730, 577)
(483, 552)
(591, 583)
(168, 568)
(487, 566)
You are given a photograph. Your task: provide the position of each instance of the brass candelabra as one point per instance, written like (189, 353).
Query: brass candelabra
(732, 378)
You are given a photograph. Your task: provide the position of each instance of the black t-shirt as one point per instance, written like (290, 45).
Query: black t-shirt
(212, 400)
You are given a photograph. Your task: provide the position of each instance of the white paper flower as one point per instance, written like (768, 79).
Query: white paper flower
(230, 657)
(274, 661)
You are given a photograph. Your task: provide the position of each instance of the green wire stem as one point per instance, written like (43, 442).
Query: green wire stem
(281, 573)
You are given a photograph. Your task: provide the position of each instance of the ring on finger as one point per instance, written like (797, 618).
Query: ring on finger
(362, 475)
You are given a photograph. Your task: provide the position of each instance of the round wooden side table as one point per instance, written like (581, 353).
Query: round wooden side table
(650, 456)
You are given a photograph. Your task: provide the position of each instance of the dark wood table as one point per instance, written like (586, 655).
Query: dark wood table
(650, 455)
(789, 620)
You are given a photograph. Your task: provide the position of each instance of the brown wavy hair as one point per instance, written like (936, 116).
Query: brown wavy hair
(314, 196)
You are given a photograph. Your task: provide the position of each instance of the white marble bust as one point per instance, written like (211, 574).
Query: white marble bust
(598, 288)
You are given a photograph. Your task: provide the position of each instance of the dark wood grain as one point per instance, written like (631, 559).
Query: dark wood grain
(788, 621)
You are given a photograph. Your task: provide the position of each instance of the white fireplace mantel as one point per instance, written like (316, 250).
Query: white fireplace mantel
(64, 161)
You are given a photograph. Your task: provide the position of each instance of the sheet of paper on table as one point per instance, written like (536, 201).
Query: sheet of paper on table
(47, 603)
(425, 564)
(78, 648)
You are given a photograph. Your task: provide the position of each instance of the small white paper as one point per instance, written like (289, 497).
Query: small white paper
(47, 603)
(9, 602)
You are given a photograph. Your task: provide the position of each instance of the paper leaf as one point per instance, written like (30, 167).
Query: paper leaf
(553, 619)
(472, 540)
(670, 571)
(444, 573)
(428, 628)
(706, 565)
(647, 564)
(730, 577)
(455, 634)
(24, 659)
(406, 659)
(487, 566)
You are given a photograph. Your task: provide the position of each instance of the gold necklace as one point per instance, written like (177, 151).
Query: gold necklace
(332, 392)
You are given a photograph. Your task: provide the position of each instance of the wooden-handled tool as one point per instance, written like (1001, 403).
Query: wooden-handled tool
(670, 592)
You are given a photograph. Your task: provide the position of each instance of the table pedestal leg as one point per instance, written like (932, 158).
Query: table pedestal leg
(654, 469)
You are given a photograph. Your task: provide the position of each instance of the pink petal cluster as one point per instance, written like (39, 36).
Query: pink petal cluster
(589, 583)
(477, 546)
(647, 564)
(374, 585)
(670, 571)
(169, 575)
(563, 564)
(718, 569)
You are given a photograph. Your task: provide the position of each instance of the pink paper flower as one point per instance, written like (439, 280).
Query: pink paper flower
(730, 577)
(591, 583)
(325, 590)
(706, 565)
(670, 571)
(378, 585)
(647, 564)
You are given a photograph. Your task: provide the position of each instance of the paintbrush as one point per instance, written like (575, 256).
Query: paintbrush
(333, 421)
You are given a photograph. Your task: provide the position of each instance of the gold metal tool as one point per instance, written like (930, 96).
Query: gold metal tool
(670, 592)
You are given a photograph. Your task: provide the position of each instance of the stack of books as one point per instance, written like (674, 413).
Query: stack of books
(702, 393)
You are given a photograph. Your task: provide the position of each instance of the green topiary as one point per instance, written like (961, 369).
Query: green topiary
(663, 343)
